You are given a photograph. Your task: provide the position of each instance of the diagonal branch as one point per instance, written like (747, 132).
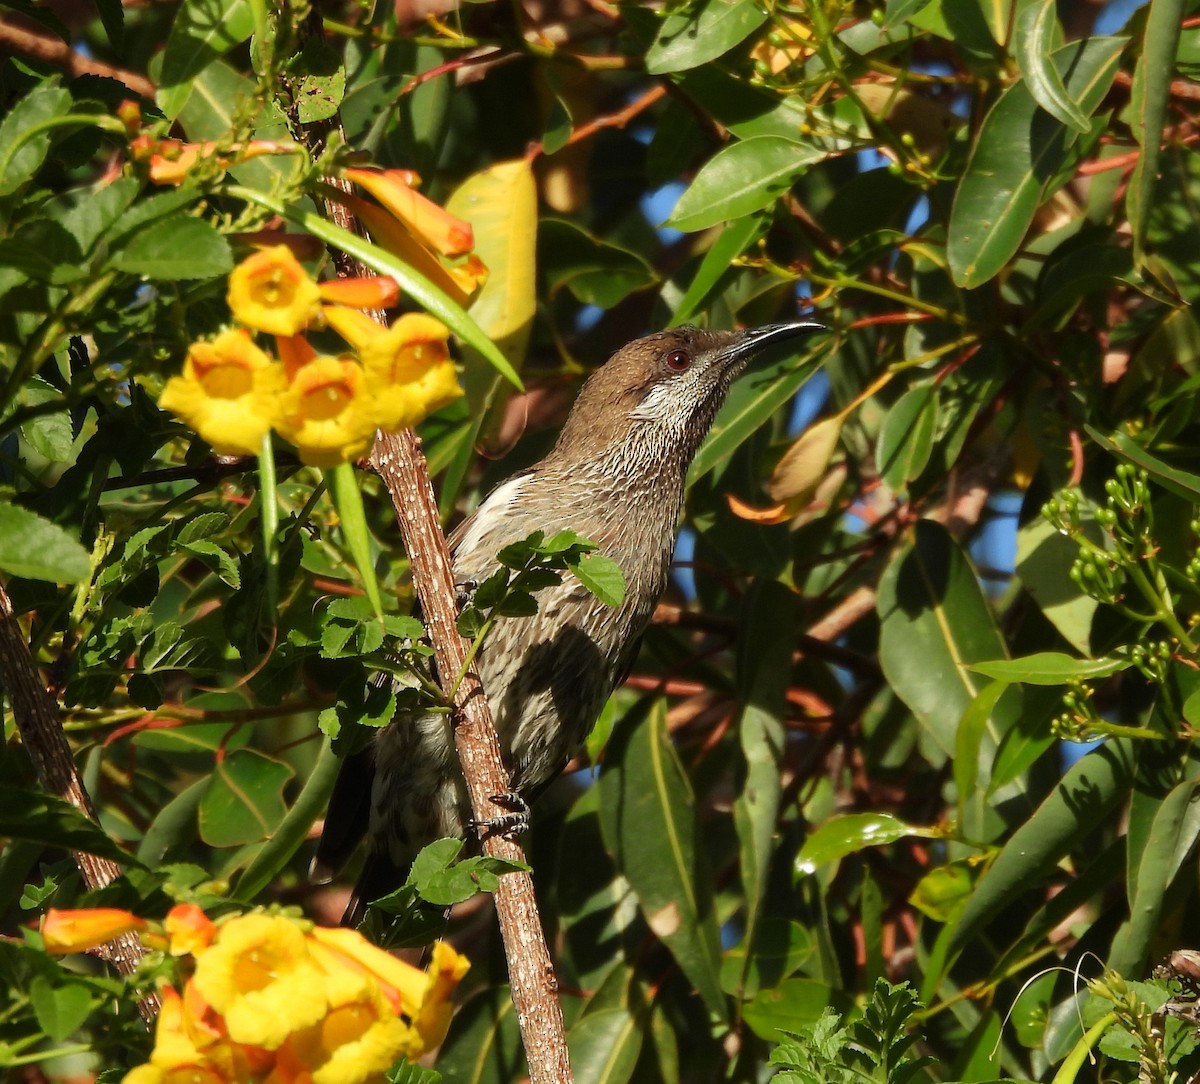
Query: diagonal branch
(42, 736)
(400, 463)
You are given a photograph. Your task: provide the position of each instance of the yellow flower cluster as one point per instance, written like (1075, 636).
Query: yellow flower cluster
(273, 1000)
(233, 393)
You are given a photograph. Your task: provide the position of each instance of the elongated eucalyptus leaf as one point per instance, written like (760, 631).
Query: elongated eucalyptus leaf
(1083, 797)
(1151, 88)
(764, 673)
(1020, 151)
(649, 820)
(604, 1046)
(1038, 35)
(752, 400)
(1157, 866)
(935, 624)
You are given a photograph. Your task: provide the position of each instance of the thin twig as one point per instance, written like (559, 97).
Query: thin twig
(43, 738)
(51, 50)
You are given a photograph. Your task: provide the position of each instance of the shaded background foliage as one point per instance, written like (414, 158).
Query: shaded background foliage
(841, 756)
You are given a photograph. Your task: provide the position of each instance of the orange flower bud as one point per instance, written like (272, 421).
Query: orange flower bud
(375, 292)
(189, 929)
(295, 351)
(86, 928)
(449, 235)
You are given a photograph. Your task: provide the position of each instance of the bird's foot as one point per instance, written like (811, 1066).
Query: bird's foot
(464, 593)
(508, 825)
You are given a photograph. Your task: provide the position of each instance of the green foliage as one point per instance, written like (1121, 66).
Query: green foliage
(841, 754)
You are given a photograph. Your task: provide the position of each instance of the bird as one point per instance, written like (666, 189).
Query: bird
(615, 476)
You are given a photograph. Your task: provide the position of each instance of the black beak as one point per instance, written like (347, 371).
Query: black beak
(744, 345)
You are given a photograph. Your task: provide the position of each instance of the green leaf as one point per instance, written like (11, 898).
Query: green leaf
(649, 821)
(483, 1045)
(1149, 95)
(906, 439)
(224, 100)
(604, 1046)
(1037, 36)
(59, 1009)
(602, 576)
(202, 31)
(595, 271)
(969, 742)
(1049, 668)
(767, 633)
(52, 822)
(1076, 807)
(176, 249)
(1020, 151)
(739, 179)
(702, 34)
(1183, 483)
(733, 240)
(1157, 865)
(790, 1006)
(292, 832)
(841, 836)
(38, 549)
(935, 624)
(21, 155)
(347, 498)
(244, 801)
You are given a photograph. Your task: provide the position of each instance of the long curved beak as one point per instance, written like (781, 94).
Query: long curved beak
(744, 345)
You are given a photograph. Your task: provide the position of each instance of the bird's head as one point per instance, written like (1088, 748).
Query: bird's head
(659, 395)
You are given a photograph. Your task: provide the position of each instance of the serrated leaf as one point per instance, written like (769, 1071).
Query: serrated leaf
(40, 818)
(38, 549)
(602, 576)
(176, 249)
(21, 152)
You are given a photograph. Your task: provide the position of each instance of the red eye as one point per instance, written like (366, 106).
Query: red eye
(678, 360)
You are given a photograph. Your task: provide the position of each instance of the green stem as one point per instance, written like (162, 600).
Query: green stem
(1069, 1069)
(269, 519)
(1163, 612)
(292, 831)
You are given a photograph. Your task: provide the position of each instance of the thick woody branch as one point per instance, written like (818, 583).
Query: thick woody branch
(531, 971)
(400, 463)
(42, 736)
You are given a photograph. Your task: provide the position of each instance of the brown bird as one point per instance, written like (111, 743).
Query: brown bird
(616, 477)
